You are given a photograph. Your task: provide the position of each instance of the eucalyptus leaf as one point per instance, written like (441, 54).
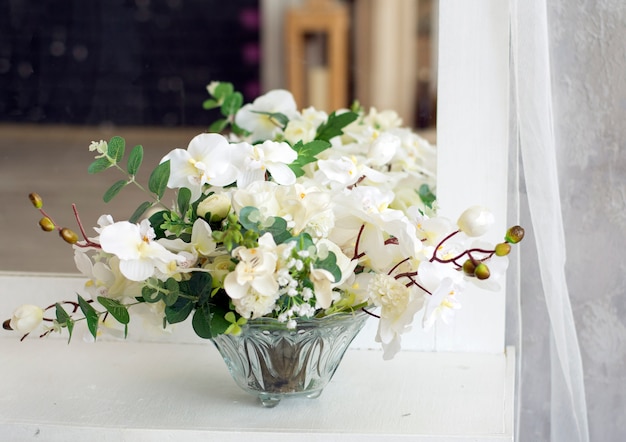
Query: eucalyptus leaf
(201, 322)
(91, 316)
(115, 149)
(218, 125)
(330, 264)
(222, 90)
(139, 212)
(184, 198)
(179, 311)
(232, 103)
(117, 309)
(134, 160)
(99, 165)
(210, 104)
(114, 190)
(159, 178)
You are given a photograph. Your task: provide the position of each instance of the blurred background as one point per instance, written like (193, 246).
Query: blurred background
(73, 72)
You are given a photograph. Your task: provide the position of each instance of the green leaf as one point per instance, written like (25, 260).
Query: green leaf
(116, 148)
(139, 211)
(307, 154)
(64, 319)
(279, 231)
(171, 295)
(184, 198)
(201, 285)
(210, 104)
(134, 160)
(218, 125)
(334, 125)
(427, 197)
(330, 264)
(117, 310)
(114, 190)
(99, 165)
(159, 178)
(91, 315)
(179, 311)
(250, 218)
(223, 90)
(156, 221)
(232, 103)
(207, 322)
(151, 295)
(201, 321)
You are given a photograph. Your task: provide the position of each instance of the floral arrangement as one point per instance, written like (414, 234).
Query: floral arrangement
(292, 214)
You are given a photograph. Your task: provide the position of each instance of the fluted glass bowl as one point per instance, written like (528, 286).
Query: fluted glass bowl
(273, 362)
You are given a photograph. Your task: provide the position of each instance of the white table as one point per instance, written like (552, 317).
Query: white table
(166, 391)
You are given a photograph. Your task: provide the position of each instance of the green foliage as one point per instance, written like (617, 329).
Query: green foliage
(426, 195)
(333, 127)
(134, 160)
(140, 211)
(91, 316)
(116, 309)
(64, 320)
(184, 199)
(115, 150)
(307, 154)
(228, 101)
(159, 178)
(114, 190)
(99, 165)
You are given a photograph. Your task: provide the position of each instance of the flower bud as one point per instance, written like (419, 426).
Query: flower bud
(469, 268)
(69, 236)
(46, 224)
(26, 318)
(475, 221)
(36, 200)
(482, 271)
(218, 205)
(503, 249)
(514, 235)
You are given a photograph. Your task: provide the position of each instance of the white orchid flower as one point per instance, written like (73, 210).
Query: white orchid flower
(444, 284)
(255, 271)
(398, 305)
(207, 160)
(254, 117)
(140, 256)
(270, 156)
(475, 221)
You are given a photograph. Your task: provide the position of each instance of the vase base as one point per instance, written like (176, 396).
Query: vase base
(269, 400)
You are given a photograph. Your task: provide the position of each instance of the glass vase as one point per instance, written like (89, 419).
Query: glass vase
(273, 362)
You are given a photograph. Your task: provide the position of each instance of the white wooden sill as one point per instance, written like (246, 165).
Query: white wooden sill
(157, 391)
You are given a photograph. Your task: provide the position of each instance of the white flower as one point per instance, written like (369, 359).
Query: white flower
(475, 221)
(444, 284)
(99, 146)
(399, 304)
(270, 156)
(202, 242)
(133, 244)
(207, 160)
(218, 205)
(254, 274)
(255, 119)
(26, 318)
(305, 127)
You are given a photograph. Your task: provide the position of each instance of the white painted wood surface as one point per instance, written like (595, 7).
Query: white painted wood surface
(181, 390)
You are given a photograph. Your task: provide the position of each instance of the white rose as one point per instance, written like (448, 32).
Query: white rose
(26, 318)
(475, 221)
(218, 205)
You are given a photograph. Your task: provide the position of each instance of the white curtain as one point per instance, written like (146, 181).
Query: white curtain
(569, 69)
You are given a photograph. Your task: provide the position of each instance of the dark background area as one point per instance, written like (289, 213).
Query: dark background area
(123, 62)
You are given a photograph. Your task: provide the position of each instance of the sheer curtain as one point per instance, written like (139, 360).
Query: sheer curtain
(569, 64)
